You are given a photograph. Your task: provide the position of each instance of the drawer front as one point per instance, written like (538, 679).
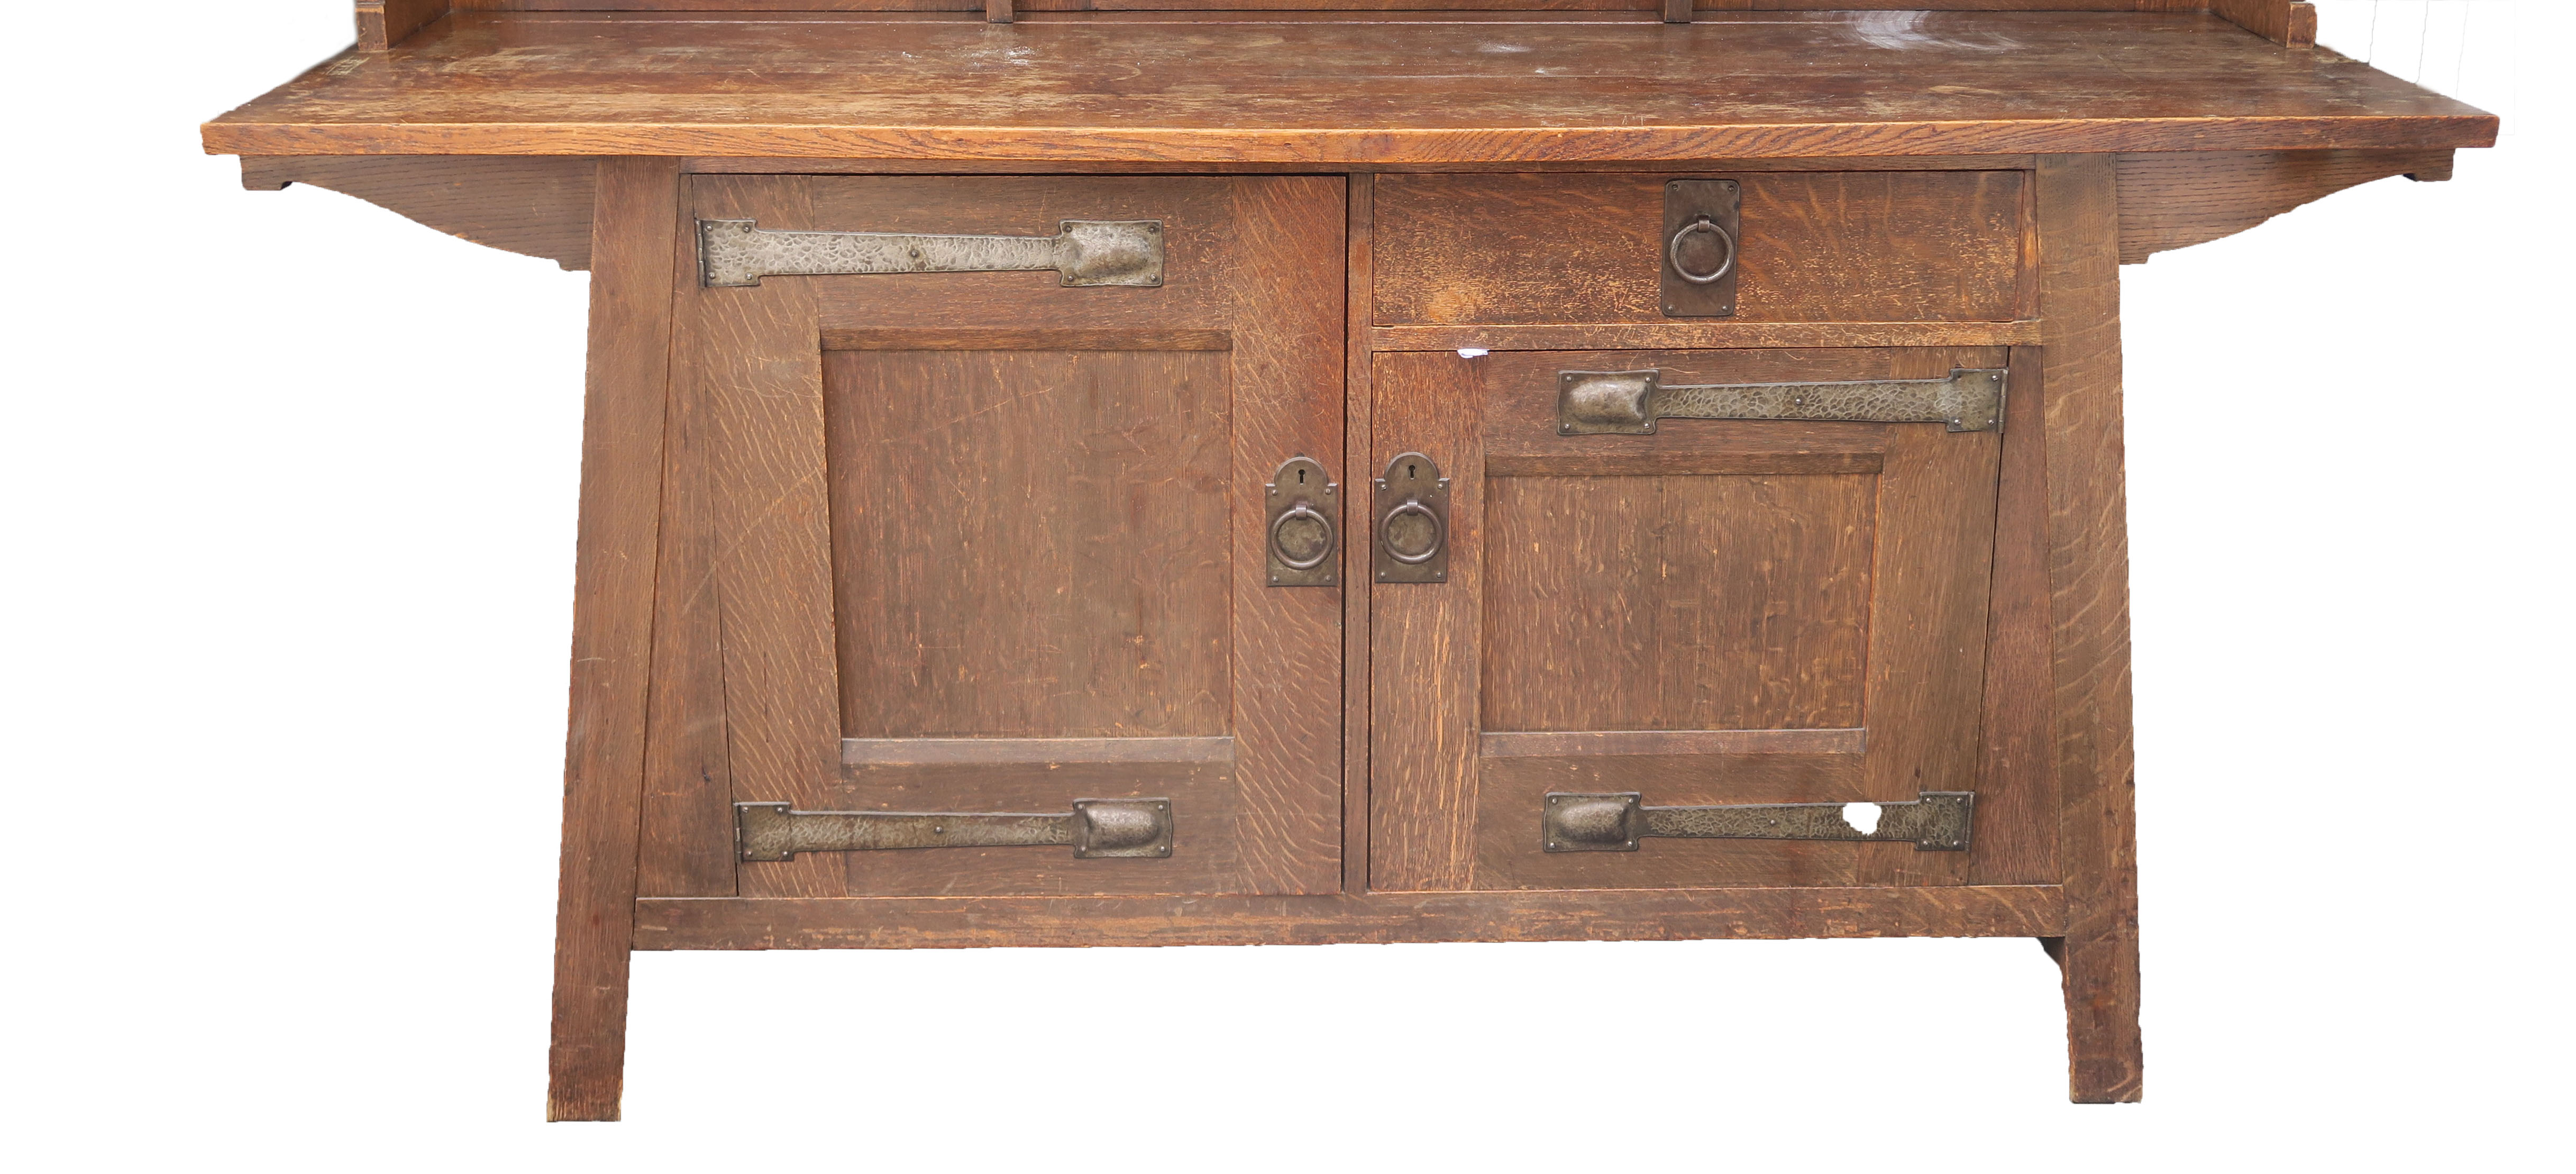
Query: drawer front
(1715, 612)
(1882, 246)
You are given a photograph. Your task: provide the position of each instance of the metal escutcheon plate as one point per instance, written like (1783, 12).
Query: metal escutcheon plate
(1410, 535)
(1300, 536)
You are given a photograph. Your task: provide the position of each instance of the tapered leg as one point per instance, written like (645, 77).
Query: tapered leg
(633, 245)
(2088, 566)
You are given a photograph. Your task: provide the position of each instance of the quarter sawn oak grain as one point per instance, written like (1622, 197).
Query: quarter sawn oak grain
(1117, 87)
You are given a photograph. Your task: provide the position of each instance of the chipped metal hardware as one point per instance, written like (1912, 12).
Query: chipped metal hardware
(1084, 252)
(1703, 241)
(1412, 530)
(1936, 821)
(1097, 829)
(1591, 403)
(1302, 537)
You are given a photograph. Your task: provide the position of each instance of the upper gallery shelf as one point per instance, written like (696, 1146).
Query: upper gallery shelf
(1303, 87)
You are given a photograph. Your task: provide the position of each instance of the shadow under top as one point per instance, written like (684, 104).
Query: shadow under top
(1339, 88)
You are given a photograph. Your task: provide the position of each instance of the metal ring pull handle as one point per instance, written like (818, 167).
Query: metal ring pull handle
(1386, 533)
(1279, 546)
(1673, 251)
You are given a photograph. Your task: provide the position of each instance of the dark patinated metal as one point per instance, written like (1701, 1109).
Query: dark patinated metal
(1592, 403)
(1703, 247)
(1096, 829)
(1936, 821)
(1082, 252)
(1301, 535)
(1412, 527)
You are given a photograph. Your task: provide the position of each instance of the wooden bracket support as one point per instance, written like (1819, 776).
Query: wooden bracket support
(2284, 22)
(1677, 11)
(998, 11)
(2172, 200)
(537, 205)
(382, 24)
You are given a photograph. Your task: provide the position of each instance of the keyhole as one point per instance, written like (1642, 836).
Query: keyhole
(1301, 476)
(1408, 472)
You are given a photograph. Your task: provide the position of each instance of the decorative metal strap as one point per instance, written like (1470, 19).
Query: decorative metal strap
(1937, 821)
(1629, 402)
(1086, 252)
(1096, 828)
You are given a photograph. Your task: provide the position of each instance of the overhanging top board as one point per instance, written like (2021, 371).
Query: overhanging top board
(1302, 87)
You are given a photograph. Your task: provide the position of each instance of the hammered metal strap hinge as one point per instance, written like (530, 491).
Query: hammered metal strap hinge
(1097, 829)
(1592, 403)
(1085, 252)
(1936, 821)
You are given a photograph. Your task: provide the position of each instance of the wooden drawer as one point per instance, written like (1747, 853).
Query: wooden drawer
(1878, 246)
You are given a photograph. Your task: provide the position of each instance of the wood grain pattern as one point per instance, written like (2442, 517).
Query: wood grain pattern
(1705, 335)
(1343, 9)
(1035, 338)
(2171, 201)
(1679, 602)
(2016, 817)
(774, 165)
(613, 574)
(1424, 638)
(383, 24)
(1548, 249)
(1031, 544)
(537, 206)
(1087, 86)
(755, 364)
(687, 848)
(1927, 628)
(1359, 276)
(1043, 751)
(2088, 573)
(1710, 460)
(1651, 915)
(1572, 743)
(1288, 363)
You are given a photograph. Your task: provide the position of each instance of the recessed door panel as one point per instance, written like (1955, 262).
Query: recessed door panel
(1031, 543)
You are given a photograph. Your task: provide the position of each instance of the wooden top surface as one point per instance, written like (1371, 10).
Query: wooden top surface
(1408, 88)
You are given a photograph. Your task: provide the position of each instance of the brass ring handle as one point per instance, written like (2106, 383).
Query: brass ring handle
(1386, 532)
(1673, 251)
(1279, 549)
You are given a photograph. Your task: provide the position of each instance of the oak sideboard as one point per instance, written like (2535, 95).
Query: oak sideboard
(1087, 473)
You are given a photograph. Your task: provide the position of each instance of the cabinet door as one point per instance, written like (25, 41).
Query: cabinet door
(1721, 612)
(993, 542)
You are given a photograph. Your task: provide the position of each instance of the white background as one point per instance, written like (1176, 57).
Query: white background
(288, 493)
